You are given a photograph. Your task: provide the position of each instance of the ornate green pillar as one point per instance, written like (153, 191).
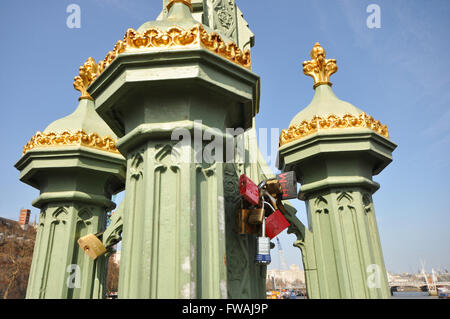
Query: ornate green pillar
(335, 149)
(76, 166)
(179, 212)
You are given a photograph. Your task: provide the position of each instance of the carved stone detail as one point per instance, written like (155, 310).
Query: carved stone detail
(137, 165)
(225, 17)
(321, 205)
(231, 184)
(367, 202)
(85, 215)
(59, 215)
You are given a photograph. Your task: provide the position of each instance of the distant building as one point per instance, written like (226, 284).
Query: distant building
(24, 218)
(116, 257)
(14, 226)
(9, 223)
(292, 277)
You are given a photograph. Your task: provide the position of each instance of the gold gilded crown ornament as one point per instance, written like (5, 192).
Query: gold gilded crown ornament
(186, 2)
(320, 68)
(85, 77)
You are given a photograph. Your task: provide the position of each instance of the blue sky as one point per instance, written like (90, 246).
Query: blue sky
(399, 74)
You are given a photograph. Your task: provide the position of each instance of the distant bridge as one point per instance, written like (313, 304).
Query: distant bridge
(417, 284)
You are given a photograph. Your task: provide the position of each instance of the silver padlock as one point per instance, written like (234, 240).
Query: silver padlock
(263, 247)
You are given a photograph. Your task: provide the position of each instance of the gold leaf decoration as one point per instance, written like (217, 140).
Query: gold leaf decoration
(153, 38)
(306, 128)
(67, 138)
(86, 75)
(319, 68)
(186, 2)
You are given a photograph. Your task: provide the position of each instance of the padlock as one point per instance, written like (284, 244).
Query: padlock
(249, 190)
(288, 183)
(92, 245)
(274, 188)
(263, 248)
(243, 226)
(275, 224)
(256, 216)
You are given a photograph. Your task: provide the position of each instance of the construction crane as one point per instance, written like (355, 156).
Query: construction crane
(281, 253)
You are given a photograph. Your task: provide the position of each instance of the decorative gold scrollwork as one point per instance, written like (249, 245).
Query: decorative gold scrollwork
(174, 37)
(67, 138)
(306, 128)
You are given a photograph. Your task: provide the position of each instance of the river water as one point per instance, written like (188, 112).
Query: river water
(412, 295)
(404, 295)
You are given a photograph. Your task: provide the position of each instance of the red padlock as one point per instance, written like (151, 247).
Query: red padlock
(249, 190)
(275, 224)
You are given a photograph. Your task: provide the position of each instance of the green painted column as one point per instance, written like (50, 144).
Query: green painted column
(173, 236)
(179, 233)
(342, 250)
(336, 149)
(76, 174)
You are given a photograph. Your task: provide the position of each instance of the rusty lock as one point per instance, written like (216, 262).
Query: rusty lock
(243, 225)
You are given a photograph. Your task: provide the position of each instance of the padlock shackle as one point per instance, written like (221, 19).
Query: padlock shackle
(264, 228)
(262, 184)
(264, 202)
(273, 200)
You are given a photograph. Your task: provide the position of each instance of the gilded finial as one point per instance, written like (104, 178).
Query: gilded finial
(87, 74)
(186, 2)
(320, 68)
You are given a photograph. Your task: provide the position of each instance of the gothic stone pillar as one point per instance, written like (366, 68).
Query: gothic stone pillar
(341, 250)
(174, 232)
(76, 184)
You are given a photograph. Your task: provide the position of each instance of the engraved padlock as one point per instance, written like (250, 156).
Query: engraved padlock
(288, 183)
(256, 215)
(92, 245)
(243, 226)
(263, 248)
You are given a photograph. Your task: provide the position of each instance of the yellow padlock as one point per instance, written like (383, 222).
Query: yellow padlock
(92, 246)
